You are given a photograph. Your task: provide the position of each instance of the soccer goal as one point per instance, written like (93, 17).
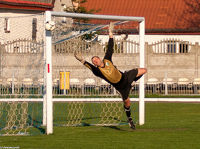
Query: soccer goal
(43, 86)
(74, 95)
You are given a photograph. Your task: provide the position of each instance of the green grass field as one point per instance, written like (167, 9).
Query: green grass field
(167, 126)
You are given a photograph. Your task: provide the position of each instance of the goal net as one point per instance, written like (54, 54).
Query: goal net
(79, 97)
(21, 73)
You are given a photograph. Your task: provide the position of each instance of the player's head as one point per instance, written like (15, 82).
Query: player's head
(96, 61)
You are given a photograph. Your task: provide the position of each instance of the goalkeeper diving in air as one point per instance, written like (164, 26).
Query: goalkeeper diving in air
(120, 80)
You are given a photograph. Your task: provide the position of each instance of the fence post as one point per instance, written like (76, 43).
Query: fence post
(166, 87)
(13, 85)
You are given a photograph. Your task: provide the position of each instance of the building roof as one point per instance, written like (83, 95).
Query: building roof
(161, 16)
(41, 5)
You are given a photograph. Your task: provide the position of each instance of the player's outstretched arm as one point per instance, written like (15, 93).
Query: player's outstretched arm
(79, 57)
(94, 69)
(109, 50)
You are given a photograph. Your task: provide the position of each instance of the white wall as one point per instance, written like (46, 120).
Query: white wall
(155, 38)
(20, 24)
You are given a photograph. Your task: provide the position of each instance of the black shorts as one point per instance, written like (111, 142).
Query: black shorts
(130, 76)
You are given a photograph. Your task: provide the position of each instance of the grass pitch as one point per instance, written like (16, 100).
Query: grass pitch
(167, 126)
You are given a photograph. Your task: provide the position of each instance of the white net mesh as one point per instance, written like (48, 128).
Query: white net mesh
(21, 72)
(76, 113)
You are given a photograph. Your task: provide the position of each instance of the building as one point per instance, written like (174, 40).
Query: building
(24, 19)
(163, 19)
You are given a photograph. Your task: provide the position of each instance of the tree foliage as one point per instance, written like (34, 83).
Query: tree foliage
(80, 8)
(191, 14)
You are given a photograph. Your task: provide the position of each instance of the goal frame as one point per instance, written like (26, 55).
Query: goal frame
(48, 99)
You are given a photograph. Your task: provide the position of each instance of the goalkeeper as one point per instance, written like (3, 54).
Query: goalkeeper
(107, 71)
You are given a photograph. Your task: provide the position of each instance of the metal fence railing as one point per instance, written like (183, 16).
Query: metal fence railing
(36, 90)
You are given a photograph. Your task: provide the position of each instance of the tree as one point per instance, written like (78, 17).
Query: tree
(78, 8)
(191, 15)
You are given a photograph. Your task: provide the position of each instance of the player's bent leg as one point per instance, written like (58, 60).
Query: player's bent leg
(127, 102)
(141, 71)
(127, 109)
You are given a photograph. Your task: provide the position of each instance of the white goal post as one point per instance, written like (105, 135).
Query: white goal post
(48, 48)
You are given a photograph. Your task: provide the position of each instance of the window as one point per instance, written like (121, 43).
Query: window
(7, 25)
(34, 28)
(183, 48)
(171, 47)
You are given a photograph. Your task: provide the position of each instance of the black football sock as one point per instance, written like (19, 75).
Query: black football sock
(128, 112)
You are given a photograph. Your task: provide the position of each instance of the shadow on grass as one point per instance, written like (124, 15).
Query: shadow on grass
(36, 124)
(126, 129)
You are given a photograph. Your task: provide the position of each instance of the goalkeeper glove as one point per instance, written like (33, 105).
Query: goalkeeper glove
(111, 27)
(79, 57)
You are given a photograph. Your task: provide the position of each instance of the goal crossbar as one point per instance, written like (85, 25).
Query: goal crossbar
(92, 16)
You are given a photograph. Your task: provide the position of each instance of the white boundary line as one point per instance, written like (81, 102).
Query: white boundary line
(100, 99)
(172, 99)
(21, 99)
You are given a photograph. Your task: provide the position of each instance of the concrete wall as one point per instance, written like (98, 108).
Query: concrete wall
(159, 65)
(176, 65)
